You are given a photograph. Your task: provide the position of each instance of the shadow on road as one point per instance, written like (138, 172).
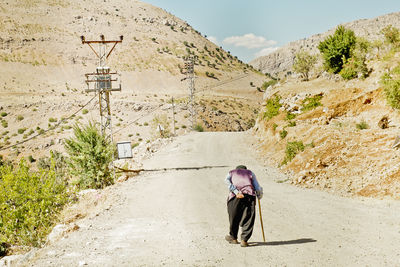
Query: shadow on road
(279, 243)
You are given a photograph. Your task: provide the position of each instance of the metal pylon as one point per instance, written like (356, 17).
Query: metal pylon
(189, 65)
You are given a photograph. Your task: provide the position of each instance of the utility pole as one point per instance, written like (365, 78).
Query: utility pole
(102, 81)
(189, 65)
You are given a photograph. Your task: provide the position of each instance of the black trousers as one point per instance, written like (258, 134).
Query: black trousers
(242, 212)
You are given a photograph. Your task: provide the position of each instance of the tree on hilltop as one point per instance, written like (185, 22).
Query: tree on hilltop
(337, 48)
(303, 63)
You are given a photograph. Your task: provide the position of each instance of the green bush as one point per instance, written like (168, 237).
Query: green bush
(198, 128)
(29, 204)
(21, 130)
(20, 118)
(52, 119)
(292, 149)
(336, 48)
(4, 123)
(283, 134)
(272, 107)
(311, 103)
(392, 34)
(85, 111)
(91, 155)
(290, 116)
(391, 85)
(3, 114)
(303, 63)
(362, 125)
(349, 70)
(267, 84)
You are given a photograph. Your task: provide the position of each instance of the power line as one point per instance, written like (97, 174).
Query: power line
(144, 115)
(49, 129)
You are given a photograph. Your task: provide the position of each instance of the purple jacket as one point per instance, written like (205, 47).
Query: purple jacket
(243, 181)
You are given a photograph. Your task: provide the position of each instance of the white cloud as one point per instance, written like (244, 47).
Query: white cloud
(249, 41)
(213, 39)
(265, 51)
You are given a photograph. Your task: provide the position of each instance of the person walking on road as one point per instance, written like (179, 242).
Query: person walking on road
(243, 189)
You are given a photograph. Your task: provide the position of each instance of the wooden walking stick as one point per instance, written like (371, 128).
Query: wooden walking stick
(262, 226)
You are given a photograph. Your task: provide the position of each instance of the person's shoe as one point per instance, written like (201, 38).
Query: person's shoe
(231, 240)
(244, 243)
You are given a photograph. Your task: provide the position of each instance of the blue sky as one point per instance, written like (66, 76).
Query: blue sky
(250, 28)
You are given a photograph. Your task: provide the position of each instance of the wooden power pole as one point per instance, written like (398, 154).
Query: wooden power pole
(101, 81)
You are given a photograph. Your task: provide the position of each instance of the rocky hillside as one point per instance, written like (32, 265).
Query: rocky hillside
(334, 135)
(42, 66)
(280, 62)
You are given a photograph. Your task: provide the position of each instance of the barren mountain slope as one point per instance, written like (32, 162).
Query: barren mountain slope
(42, 66)
(348, 140)
(281, 60)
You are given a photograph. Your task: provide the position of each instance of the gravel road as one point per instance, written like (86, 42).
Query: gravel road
(179, 218)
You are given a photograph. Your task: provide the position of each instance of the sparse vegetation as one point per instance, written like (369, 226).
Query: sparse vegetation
(311, 103)
(362, 125)
(52, 119)
(391, 85)
(292, 149)
(4, 123)
(160, 126)
(391, 34)
(21, 130)
(85, 111)
(272, 108)
(283, 133)
(198, 127)
(20, 118)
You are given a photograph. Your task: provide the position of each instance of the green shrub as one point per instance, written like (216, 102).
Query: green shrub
(20, 118)
(4, 123)
(311, 103)
(31, 159)
(362, 125)
(134, 145)
(85, 111)
(198, 128)
(336, 48)
(290, 116)
(292, 124)
(274, 126)
(283, 134)
(21, 130)
(349, 71)
(392, 34)
(269, 83)
(391, 85)
(292, 149)
(29, 204)
(272, 107)
(3, 114)
(303, 63)
(91, 155)
(52, 119)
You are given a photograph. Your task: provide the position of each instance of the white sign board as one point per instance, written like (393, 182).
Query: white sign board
(124, 150)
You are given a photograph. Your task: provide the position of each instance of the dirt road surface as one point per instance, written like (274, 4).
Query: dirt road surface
(179, 218)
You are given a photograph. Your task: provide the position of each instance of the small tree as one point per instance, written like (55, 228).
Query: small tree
(336, 48)
(90, 157)
(303, 63)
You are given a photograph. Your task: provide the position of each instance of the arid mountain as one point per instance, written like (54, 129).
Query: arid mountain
(280, 61)
(43, 62)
